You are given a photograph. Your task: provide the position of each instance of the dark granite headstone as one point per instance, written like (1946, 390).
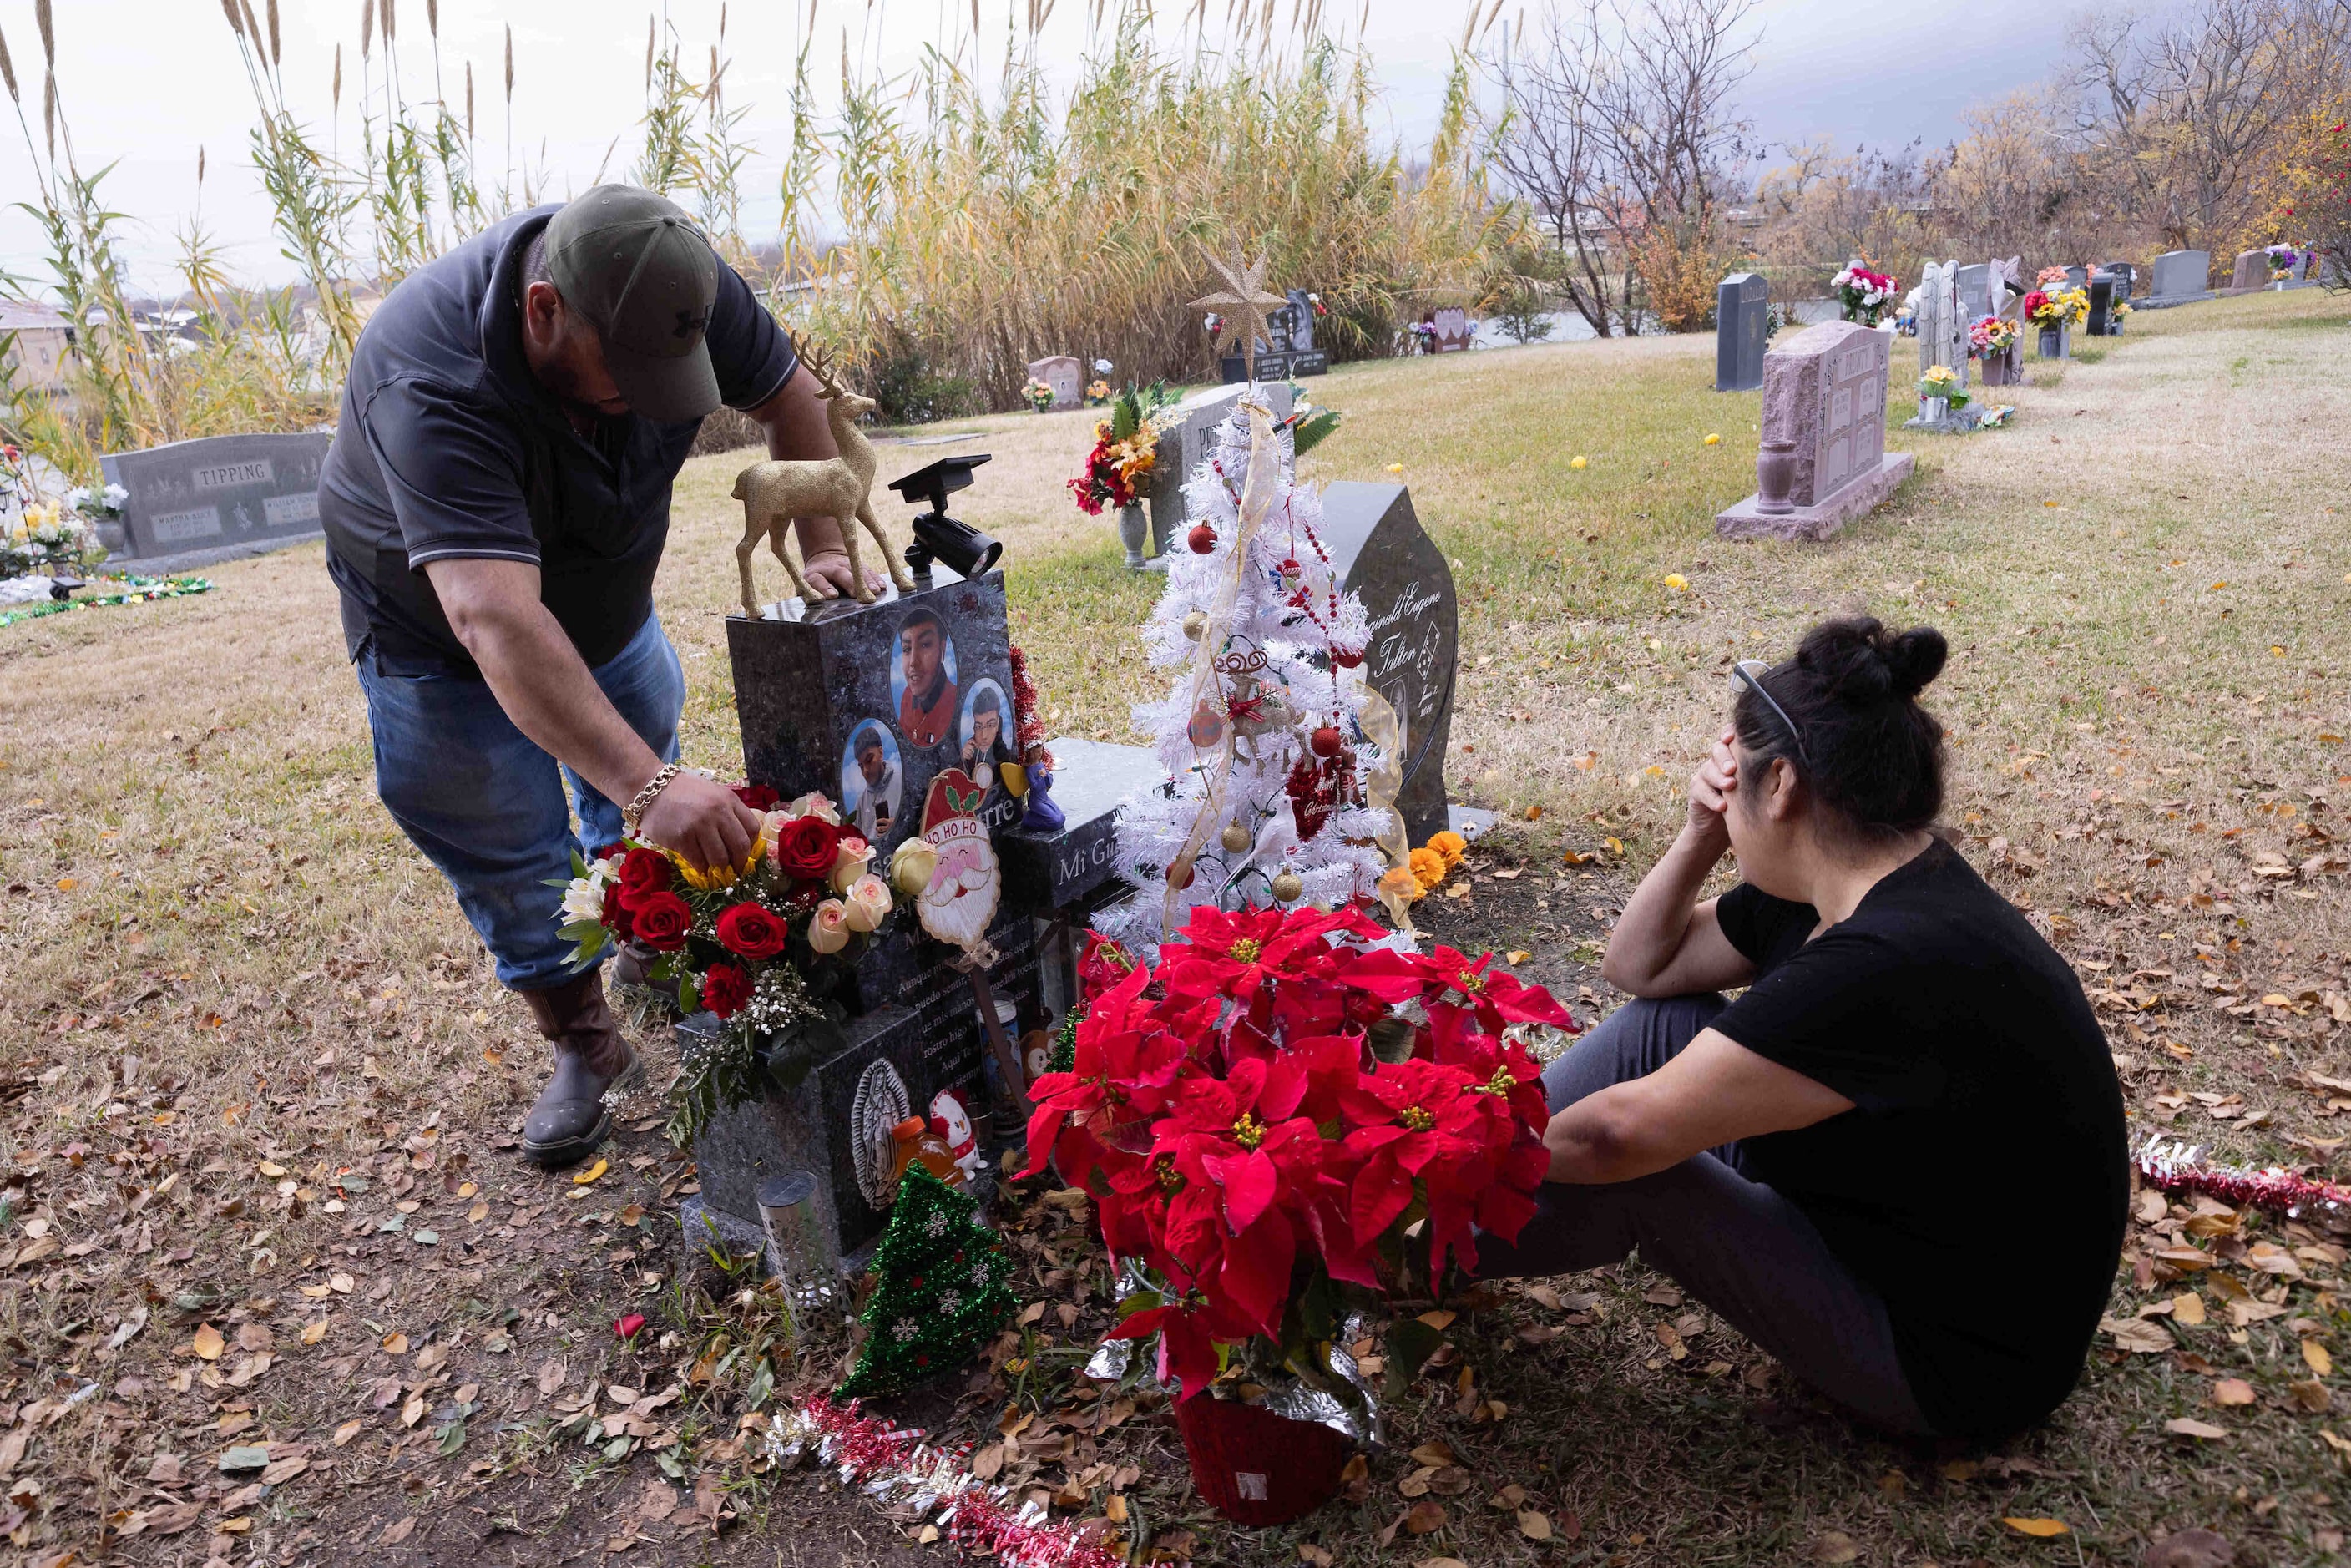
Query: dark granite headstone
(1385, 558)
(1743, 307)
(1185, 434)
(2104, 322)
(1064, 870)
(1290, 351)
(810, 693)
(217, 492)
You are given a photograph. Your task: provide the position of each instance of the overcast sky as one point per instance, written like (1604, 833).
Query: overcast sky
(145, 82)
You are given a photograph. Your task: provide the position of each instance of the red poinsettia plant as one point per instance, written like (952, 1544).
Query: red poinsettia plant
(1285, 1113)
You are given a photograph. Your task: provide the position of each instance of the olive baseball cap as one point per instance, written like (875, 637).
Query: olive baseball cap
(634, 265)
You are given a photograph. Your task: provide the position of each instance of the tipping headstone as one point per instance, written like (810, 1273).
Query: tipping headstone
(1823, 460)
(1742, 309)
(218, 493)
(1382, 556)
(2180, 277)
(1064, 375)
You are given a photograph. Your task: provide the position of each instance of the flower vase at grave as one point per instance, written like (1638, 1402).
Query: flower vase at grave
(1132, 531)
(1933, 409)
(2053, 342)
(1256, 1468)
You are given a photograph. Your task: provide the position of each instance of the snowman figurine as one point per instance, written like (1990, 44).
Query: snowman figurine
(951, 1120)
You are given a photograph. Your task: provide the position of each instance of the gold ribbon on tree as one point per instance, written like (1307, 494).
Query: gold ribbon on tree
(1383, 727)
(1258, 491)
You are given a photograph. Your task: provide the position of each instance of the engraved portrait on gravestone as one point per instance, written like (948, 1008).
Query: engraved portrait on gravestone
(922, 679)
(872, 780)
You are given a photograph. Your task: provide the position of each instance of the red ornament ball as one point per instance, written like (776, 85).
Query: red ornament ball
(1346, 658)
(1179, 877)
(1202, 538)
(1327, 741)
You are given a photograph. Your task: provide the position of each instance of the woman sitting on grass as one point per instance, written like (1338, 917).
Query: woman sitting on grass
(1898, 1161)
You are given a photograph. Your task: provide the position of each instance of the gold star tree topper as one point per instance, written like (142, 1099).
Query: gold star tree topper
(1242, 303)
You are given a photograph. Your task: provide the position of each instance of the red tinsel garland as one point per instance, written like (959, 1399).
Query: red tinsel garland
(881, 1458)
(2175, 1165)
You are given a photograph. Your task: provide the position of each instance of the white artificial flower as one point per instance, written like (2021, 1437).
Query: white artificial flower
(115, 495)
(1101, 367)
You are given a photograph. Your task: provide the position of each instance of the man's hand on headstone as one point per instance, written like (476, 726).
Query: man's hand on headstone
(831, 569)
(703, 820)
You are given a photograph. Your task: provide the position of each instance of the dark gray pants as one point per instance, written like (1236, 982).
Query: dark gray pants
(1734, 1243)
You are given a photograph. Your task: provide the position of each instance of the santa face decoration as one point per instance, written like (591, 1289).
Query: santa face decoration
(960, 902)
(951, 1120)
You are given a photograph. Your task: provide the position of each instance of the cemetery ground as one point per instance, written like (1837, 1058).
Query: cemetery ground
(277, 1286)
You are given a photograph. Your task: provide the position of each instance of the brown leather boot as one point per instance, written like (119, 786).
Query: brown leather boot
(570, 1118)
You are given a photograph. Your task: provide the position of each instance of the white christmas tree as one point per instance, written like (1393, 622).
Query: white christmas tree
(1267, 729)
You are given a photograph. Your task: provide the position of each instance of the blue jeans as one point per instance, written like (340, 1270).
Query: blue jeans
(489, 807)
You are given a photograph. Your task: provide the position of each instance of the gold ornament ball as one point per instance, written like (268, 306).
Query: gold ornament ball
(1287, 887)
(1235, 838)
(1195, 624)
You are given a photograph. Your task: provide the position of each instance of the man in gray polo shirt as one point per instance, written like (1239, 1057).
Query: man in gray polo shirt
(495, 503)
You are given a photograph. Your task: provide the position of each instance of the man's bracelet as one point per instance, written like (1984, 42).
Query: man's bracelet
(633, 814)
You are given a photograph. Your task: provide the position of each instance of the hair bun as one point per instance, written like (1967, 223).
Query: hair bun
(1915, 658)
(1861, 663)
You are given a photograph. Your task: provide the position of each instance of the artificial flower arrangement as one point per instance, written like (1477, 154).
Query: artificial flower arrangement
(2048, 275)
(1285, 1119)
(2050, 310)
(1037, 395)
(1863, 292)
(1097, 393)
(1942, 382)
(1126, 448)
(49, 536)
(759, 944)
(1435, 861)
(1992, 336)
(2282, 260)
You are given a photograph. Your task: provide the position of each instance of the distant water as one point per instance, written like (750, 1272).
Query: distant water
(1569, 327)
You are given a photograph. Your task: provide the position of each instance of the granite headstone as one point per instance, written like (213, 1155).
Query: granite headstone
(218, 492)
(2181, 276)
(1453, 330)
(2251, 273)
(1742, 309)
(1186, 434)
(1064, 375)
(1385, 558)
(1975, 292)
(1823, 460)
(2103, 321)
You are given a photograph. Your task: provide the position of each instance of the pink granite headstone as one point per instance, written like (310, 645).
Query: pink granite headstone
(1822, 460)
(2253, 272)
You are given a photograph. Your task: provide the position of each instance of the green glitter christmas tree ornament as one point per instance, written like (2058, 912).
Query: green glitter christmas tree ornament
(941, 1293)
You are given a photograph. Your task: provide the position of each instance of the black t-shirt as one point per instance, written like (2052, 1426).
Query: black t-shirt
(448, 446)
(1980, 1183)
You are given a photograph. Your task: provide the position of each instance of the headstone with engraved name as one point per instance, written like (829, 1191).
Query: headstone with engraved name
(1290, 351)
(1742, 309)
(218, 492)
(1064, 375)
(1975, 292)
(1385, 558)
(1823, 460)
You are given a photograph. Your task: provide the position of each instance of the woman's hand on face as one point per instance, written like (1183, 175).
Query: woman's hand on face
(1710, 790)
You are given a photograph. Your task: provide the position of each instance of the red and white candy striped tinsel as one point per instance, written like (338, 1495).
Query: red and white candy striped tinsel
(2172, 1165)
(894, 1464)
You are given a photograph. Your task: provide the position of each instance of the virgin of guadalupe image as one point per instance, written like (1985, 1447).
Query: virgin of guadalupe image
(985, 744)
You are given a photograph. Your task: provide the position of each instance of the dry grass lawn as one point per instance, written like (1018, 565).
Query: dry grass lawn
(248, 1027)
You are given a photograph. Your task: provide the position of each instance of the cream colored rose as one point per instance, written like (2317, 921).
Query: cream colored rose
(912, 866)
(828, 927)
(814, 804)
(869, 904)
(850, 858)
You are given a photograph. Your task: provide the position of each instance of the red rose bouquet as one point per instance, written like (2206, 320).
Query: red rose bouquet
(758, 945)
(1286, 1114)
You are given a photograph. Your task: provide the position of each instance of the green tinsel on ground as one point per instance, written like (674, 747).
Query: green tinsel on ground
(135, 591)
(941, 1294)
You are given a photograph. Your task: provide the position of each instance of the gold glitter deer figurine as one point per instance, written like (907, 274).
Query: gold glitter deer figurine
(775, 493)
